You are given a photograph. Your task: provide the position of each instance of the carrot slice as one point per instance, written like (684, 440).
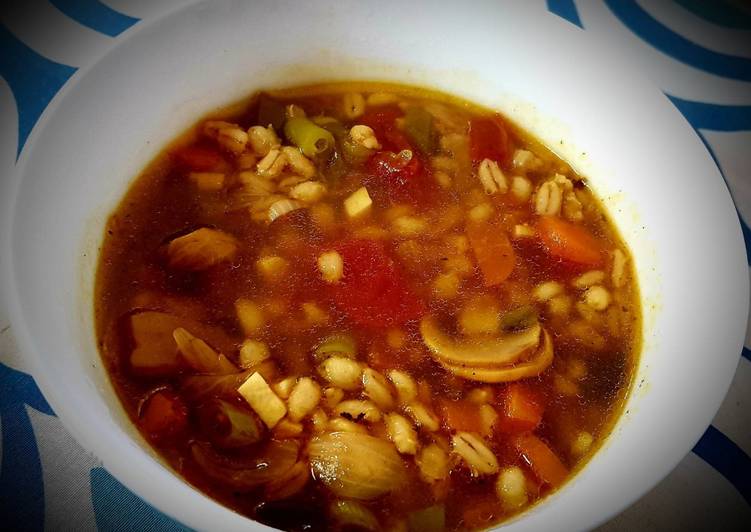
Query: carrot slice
(460, 415)
(569, 242)
(521, 412)
(199, 158)
(493, 251)
(164, 416)
(541, 459)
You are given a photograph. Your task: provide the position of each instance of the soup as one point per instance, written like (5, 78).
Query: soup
(344, 306)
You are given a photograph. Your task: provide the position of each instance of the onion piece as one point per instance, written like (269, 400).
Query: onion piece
(356, 466)
(198, 387)
(200, 356)
(276, 459)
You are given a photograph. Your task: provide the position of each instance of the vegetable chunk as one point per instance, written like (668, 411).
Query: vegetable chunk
(263, 400)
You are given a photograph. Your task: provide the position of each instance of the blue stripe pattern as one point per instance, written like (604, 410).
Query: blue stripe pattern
(95, 15)
(727, 458)
(714, 116)
(117, 508)
(33, 79)
(679, 48)
(566, 9)
(710, 116)
(719, 12)
(21, 483)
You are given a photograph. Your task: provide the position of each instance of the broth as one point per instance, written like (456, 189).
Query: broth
(342, 306)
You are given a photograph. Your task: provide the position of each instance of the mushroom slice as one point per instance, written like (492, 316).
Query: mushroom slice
(482, 352)
(522, 370)
(201, 249)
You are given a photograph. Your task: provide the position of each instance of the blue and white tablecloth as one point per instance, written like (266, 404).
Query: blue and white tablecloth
(697, 52)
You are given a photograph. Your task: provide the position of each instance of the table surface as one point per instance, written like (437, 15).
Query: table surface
(697, 52)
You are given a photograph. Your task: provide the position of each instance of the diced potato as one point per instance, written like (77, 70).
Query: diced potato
(402, 433)
(511, 488)
(446, 285)
(331, 266)
(207, 181)
(304, 398)
(201, 249)
(284, 387)
(272, 268)
(481, 212)
(409, 226)
(314, 314)
(250, 315)
(342, 372)
(253, 352)
(433, 463)
(358, 203)
(581, 444)
(479, 316)
(523, 231)
(262, 399)
(155, 350)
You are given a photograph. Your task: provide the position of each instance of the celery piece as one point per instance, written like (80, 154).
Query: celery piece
(310, 138)
(418, 125)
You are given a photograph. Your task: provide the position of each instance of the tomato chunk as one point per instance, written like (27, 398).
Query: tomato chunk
(460, 415)
(493, 251)
(395, 178)
(541, 459)
(199, 158)
(165, 416)
(521, 410)
(488, 139)
(382, 119)
(373, 291)
(569, 242)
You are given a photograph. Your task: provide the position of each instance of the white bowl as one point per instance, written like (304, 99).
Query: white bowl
(661, 187)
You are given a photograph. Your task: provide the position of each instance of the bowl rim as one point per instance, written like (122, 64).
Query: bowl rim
(58, 401)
